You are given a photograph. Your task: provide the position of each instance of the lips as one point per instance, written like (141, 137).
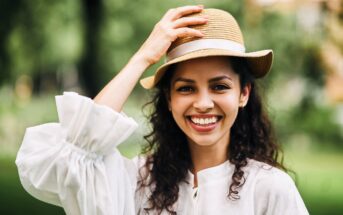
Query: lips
(203, 123)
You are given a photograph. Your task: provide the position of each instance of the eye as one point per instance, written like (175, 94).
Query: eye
(185, 89)
(220, 87)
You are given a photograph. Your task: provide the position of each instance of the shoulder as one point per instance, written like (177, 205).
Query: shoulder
(269, 181)
(139, 160)
(269, 177)
(273, 190)
(137, 166)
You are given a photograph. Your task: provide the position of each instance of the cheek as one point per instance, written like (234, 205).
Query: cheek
(228, 103)
(179, 103)
(178, 108)
(229, 106)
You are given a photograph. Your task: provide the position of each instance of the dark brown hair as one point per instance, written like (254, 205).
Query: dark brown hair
(168, 154)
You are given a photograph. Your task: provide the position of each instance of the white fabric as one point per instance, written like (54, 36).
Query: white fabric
(201, 44)
(75, 164)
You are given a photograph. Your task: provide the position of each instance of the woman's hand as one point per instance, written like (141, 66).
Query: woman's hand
(172, 25)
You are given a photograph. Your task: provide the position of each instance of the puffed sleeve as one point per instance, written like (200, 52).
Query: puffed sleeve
(75, 163)
(276, 193)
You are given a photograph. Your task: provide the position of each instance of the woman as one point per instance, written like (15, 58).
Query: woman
(211, 149)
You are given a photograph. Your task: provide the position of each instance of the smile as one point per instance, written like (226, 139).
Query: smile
(204, 123)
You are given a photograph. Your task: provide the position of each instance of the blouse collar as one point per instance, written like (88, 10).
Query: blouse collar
(213, 173)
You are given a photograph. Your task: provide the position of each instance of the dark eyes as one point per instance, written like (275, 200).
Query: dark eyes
(216, 87)
(220, 87)
(185, 89)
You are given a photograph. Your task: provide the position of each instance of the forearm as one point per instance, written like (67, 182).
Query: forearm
(172, 26)
(116, 92)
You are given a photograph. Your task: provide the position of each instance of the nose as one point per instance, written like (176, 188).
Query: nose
(203, 102)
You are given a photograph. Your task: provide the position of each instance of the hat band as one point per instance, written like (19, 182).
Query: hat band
(204, 44)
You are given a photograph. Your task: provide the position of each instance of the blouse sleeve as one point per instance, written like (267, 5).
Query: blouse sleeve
(276, 193)
(75, 163)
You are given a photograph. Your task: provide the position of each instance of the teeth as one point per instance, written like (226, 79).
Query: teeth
(204, 121)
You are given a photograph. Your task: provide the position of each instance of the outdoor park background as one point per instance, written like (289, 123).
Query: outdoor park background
(47, 47)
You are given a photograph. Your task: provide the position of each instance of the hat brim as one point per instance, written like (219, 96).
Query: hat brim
(260, 63)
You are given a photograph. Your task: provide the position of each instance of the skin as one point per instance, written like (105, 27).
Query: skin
(206, 88)
(172, 26)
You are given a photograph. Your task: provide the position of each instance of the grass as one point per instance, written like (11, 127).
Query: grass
(14, 199)
(319, 179)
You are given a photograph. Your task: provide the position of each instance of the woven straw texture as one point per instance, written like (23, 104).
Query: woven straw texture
(221, 25)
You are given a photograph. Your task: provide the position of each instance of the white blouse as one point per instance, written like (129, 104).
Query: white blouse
(75, 164)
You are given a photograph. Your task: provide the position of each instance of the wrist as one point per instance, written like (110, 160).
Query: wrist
(141, 60)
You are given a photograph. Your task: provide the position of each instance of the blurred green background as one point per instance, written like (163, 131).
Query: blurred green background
(47, 47)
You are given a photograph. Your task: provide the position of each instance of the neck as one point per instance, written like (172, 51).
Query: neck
(204, 157)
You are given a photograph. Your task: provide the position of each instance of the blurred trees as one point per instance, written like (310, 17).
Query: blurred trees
(41, 38)
(8, 12)
(67, 44)
(90, 64)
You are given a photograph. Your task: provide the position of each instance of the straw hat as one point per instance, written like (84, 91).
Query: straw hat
(223, 37)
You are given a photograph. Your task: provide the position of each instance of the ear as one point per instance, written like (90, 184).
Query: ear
(244, 96)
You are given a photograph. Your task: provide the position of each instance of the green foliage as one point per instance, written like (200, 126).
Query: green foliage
(44, 37)
(316, 122)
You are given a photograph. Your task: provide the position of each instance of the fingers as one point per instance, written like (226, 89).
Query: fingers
(180, 24)
(176, 13)
(174, 25)
(188, 32)
(187, 21)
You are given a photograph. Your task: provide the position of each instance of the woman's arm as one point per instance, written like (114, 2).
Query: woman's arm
(75, 163)
(168, 29)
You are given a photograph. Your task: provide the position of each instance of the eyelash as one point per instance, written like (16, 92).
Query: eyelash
(185, 89)
(220, 86)
(217, 87)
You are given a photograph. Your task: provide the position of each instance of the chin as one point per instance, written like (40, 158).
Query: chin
(203, 141)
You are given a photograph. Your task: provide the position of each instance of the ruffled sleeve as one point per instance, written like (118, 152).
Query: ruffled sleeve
(75, 163)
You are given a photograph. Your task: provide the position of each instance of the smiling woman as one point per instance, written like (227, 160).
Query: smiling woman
(211, 149)
(212, 103)
(204, 97)
(206, 90)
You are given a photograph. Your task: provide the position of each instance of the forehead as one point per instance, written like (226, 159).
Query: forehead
(205, 68)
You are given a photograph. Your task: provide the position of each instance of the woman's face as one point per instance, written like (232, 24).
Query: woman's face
(205, 96)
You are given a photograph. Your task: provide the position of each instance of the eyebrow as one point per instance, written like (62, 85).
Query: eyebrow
(219, 78)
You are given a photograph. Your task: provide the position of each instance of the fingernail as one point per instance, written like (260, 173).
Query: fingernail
(201, 6)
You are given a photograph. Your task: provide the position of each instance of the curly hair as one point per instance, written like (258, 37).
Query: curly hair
(168, 154)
